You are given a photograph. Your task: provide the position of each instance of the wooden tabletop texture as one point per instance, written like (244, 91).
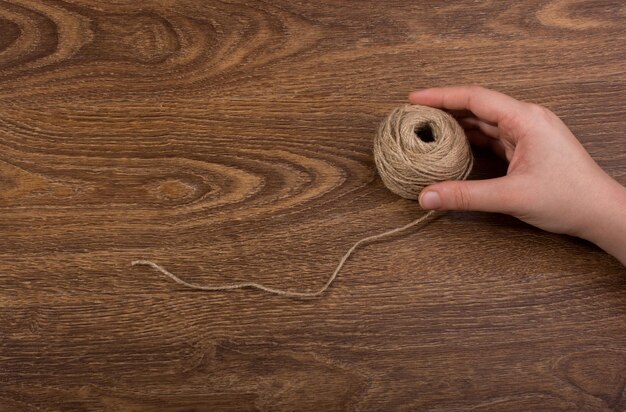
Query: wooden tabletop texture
(231, 141)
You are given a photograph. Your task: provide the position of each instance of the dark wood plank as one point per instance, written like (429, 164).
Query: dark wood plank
(231, 141)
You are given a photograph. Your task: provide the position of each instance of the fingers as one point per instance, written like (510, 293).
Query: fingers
(474, 123)
(458, 114)
(492, 195)
(488, 105)
(461, 114)
(499, 147)
(477, 138)
(483, 134)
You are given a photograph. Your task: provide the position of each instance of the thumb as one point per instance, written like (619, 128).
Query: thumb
(492, 195)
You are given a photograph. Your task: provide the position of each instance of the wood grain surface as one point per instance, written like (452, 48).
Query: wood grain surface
(231, 141)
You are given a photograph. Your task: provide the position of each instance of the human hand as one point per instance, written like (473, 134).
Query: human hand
(551, 182)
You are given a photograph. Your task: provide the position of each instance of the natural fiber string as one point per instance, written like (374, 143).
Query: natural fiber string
(288, 293)
(406, 161)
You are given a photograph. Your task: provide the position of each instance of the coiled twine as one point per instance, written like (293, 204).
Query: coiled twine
(417, 146)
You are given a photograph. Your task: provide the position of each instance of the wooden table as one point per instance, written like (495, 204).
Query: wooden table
(230, 142)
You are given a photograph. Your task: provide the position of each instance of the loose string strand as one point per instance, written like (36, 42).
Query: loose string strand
(281, 292)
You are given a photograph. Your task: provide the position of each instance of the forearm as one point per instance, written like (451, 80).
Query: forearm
(608, 226)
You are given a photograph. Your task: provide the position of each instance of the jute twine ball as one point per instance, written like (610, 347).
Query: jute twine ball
(417, 146)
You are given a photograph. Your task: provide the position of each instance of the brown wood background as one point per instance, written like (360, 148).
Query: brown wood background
(231, 141)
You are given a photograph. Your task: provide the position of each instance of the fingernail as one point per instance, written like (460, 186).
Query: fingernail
(430, 200)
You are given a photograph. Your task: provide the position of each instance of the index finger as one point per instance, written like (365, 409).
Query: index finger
(486, 104)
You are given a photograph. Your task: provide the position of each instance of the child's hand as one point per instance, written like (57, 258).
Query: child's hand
(551, 182)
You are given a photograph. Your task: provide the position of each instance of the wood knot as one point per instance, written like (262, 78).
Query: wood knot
(173, 189)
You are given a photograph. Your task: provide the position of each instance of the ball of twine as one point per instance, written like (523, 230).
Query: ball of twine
(417, 146)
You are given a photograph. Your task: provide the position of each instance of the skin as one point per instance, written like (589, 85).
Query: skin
(551, 183)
